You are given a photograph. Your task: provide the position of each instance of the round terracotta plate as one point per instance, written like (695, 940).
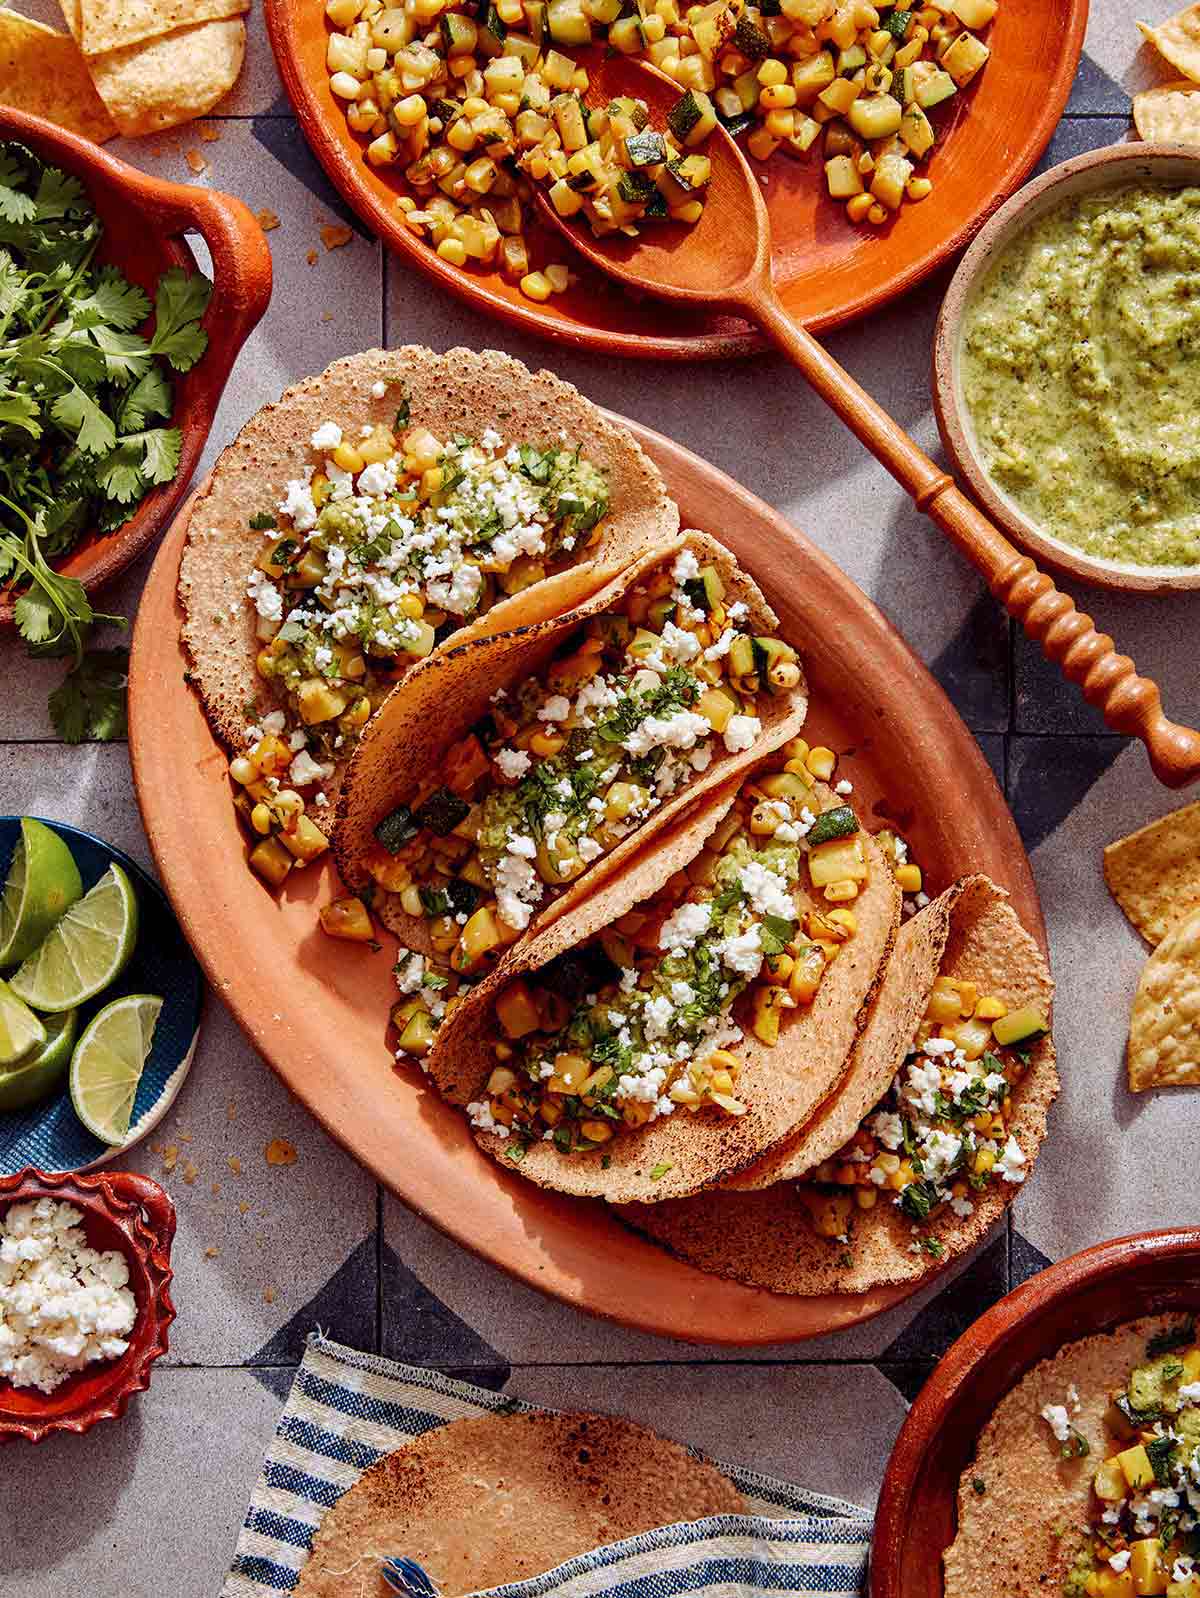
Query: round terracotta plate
(827, 270)
(317, 1009)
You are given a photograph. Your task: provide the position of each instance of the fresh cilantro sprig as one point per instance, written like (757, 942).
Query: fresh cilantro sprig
(85, 399)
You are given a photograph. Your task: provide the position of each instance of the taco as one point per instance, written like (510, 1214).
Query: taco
(943, 1149)
(508, 777)
(692, 1012)
(1084, 1479)
(399, 499)
(496, 1499)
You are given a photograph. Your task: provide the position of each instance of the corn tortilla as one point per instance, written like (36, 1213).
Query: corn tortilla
(43, 73)
(1177, 40)
(502, 1498)
(463, 391)
(165, 81)
(779, 1085)
(1021, 1534)
(764, 1237)
(113, 24)
(1164, 1026)
(446, 693)
(1154, 873)
(896, 1012)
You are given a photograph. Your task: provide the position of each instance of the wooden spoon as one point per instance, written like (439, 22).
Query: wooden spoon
(724, 263)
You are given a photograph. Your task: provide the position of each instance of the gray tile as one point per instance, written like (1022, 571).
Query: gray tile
(162, 1490)
(1074, 135)
(1049, 777)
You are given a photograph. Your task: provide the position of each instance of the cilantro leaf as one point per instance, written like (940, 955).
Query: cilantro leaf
(126, 355)
(58, 194)
(149, 397)
(90, 700)
(181, 301)
(19, 410)
(113, 301)
(80, 414)
(34, 613)
(162, 448)
(15, 205)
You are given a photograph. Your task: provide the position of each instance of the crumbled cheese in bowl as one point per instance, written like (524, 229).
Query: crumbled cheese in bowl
(63, 1305)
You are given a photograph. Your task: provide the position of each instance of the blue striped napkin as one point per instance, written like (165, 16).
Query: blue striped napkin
(346, 1409)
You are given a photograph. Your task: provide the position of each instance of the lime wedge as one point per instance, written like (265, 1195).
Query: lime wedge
(36, 1077)
(43, 881)
(85, 951)
(20, 1030)
(107, 1064)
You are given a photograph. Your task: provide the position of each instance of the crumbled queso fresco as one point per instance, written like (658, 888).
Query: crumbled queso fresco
(63, 1305)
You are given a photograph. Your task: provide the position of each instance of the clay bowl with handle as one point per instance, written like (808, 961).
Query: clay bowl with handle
(144, 221)
(1169, 165)
(132, 1214)
(723, 263)
(1146, 1274)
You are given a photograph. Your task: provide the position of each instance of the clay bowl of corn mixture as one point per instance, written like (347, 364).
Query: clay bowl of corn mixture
(834, 256)
(1150, 1273)
(144, 220)
(122, 1212)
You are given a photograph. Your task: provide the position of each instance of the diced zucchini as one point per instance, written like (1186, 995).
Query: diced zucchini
(786, 785)
(491, 33)
(896, 23)
(347, 918)
(850, 59)
(397, 828)
(442, 812)
(1026, 1025)
(813, 75)
(840, 95)
(565, 196)
(933, 87)
(515, 1010)
(837, 823)
(626, 35)
(705, 591)
(712, 27)
(875, 116)
(418, 1034)
(692, 118)
(975, 13)
(635, 188)
(626, 106)
(842, 177)
(839, 860)
(691, 172)
(917, 131)
(750, 40)
(568, 115)
(964, 58)
(768, 653)
(459, 34)
(741, 657)
(891, 173)
(647, 148)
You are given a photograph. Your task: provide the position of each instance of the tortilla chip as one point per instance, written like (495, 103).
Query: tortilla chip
(462, 391)
(114, 24)
(446, 693)
(43, 73)
(1177, 40)
(765, 1238)
(1010, 1540)
(169, 80)
(780, 1085)
(1169, 114)
(496, 1499)
(1164, 1025)
(1154, 873)
(896, 1013)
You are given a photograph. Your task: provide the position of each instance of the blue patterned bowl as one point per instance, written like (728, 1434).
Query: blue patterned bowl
(49, 1135)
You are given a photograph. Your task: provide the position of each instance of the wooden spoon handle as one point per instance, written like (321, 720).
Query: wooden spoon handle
(1129, 703)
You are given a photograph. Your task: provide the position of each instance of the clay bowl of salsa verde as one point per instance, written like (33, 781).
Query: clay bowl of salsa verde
(1097, 1291)
(1066, 367)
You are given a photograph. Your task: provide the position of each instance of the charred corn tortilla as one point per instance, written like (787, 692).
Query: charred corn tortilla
(442, 698)
(765, 1237)
(1020, 1535)
(462, 391)
(497, 1499)
(681, 1153)
(43, 73)
(895, 1013)
(1164, 1027)
(1154, 873)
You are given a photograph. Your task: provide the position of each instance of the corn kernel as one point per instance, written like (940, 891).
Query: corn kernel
(857, 207)
(348, 458)
(820, 762)
(777, 97)
(558, 277)
(454, 251)
(918, 188)
(241, 770)
(536, 286)
(989, 1009)
(772, 72)
(909, 878)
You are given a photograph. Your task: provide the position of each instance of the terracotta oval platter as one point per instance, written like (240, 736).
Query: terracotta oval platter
(317, 1009)
(827, 270)
(1149, 1273)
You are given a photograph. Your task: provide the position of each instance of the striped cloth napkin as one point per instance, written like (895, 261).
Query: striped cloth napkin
(346, 1409)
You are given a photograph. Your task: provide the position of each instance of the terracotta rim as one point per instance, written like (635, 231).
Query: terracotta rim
(141, 1211)
(241, 291)
(584, 1257)
(1110, 166)
(284, 20)
(984, 1341)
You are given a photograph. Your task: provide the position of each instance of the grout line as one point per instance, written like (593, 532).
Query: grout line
(863, 1363)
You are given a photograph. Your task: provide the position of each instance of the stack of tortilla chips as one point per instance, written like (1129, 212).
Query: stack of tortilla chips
(1170, 112)
(126, 66)
(1154, 875)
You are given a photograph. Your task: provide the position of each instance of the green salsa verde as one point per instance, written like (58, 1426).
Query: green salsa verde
(1081, 372)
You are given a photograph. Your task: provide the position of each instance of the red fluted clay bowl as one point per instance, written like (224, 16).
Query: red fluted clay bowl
(123, 1211)
(144, 222)
(1146, 1274)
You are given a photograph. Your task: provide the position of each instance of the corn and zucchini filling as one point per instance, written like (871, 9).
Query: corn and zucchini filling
(942, 1131)
(477, 100)
(392, 540)
(571, 761)
(646, 1018)
(1144, 1536)
(283, 836)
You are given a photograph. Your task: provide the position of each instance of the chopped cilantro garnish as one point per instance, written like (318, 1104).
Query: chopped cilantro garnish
(979, 1485)
(918, 1198)
(1159, 1451)
(657, 1172)
(262, 521)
